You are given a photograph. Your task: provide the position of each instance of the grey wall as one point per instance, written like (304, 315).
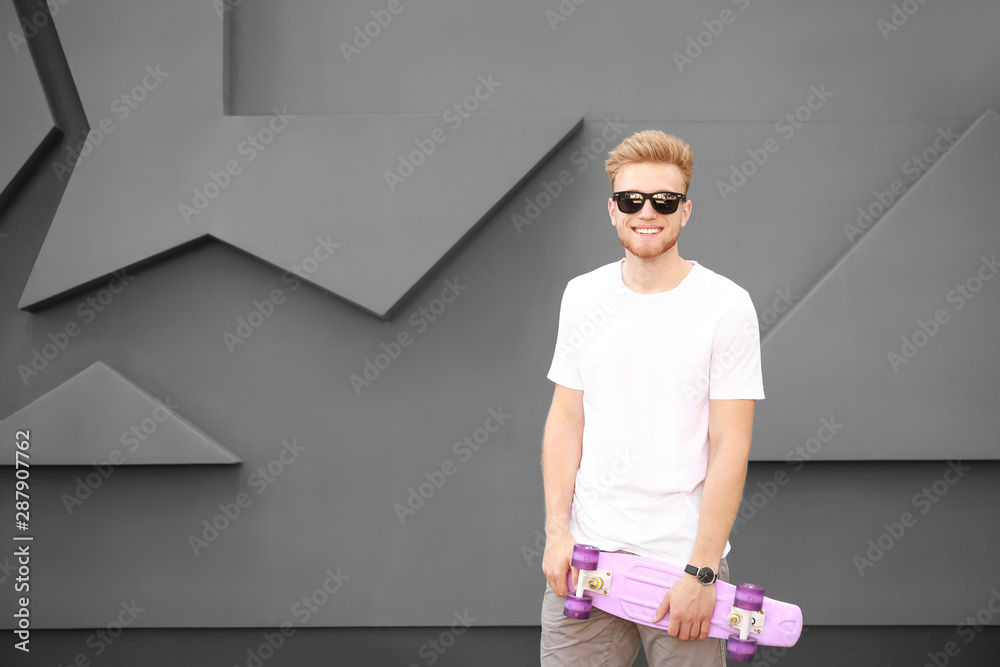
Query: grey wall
(819, 646)
(805, 525)
(486, 647)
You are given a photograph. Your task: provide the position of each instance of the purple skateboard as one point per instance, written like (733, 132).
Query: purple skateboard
(632, 587)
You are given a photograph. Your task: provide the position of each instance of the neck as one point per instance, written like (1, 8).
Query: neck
(658, 274)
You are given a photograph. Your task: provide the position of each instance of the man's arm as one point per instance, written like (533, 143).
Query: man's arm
(562, 447)
(730, 428)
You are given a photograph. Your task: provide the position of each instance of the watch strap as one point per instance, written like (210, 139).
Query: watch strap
(692, 570)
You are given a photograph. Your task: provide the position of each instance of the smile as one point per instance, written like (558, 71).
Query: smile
(647, 231)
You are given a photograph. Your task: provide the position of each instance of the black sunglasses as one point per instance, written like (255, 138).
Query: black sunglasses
(630, 201)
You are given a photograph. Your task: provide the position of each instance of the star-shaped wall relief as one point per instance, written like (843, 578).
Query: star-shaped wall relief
(334, 199)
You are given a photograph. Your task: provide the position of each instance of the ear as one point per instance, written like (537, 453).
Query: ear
(685, 213)
(611, 211)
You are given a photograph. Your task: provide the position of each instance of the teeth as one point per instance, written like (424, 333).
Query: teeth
(647, 231)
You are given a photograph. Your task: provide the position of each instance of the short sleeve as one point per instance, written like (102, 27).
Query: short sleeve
(565, 369)
(735, 372)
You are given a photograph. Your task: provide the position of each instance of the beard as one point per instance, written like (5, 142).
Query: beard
(642, 248)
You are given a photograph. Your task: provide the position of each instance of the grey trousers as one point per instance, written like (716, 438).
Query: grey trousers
(605, 640)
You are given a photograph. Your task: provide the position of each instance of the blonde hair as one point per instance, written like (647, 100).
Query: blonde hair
(651, 146)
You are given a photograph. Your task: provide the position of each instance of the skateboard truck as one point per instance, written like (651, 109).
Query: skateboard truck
(746, 621)
(595, 581)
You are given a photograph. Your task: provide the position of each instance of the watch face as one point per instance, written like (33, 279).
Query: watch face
(706, 575)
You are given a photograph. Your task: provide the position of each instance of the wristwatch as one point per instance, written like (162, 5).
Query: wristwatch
(706, 576)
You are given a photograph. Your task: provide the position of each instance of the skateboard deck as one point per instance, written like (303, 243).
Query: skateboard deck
(632, 587)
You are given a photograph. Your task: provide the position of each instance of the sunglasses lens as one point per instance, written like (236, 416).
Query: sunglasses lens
(665, 204)
(630, 202)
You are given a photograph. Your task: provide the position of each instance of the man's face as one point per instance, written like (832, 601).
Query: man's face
(649, 177)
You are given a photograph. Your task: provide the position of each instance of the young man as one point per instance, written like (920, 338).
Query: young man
(657, 369)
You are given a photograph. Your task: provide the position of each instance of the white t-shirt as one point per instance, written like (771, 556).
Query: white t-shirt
(648, 365)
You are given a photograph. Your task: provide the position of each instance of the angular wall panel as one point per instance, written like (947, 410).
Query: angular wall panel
(940, 64)
(871, 543)
(26, 120)
(99, 416)
(898, 341)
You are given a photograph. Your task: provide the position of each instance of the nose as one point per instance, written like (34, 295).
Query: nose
(647, 212)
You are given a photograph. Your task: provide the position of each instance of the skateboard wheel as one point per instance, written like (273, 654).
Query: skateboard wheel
(749, 597)
(740, 650)
(585, 557)
(575, 607)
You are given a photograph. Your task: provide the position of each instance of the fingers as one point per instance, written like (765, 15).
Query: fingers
(662, 610)
(694, 631)
(562, 579)
(556, 583)
(562, 585)
(684, 631)
(691, 630)
(576, 576)
(674, 625)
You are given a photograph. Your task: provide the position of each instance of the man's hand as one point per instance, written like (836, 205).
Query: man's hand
(690, 605)
(556, 562)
